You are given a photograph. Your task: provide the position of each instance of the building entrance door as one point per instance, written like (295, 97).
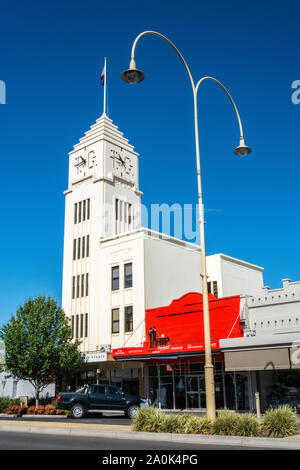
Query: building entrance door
(195, 392)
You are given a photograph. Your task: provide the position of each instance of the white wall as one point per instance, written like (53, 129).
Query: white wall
(172, 269)
(234, 276)
(10, 387)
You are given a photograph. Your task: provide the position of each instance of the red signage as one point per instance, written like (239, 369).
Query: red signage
(178, 328)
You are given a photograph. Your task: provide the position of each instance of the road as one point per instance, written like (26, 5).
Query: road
(117, 419)
(32, 441)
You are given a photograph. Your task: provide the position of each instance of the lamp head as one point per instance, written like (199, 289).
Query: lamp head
(242, 149)
(132, 75)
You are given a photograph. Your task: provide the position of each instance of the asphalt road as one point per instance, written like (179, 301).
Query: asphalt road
(33, 441)
(118, 420)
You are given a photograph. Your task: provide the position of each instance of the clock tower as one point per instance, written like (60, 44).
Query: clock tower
(102, 200)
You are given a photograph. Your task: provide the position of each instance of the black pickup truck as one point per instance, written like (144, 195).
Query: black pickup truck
(100, 399)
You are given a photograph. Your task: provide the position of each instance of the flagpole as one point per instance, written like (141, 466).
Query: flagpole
(104, 99)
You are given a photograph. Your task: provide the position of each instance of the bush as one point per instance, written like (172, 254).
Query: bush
(226, 423)
(248, 425)
(148, 419)
(279, 422)
(16, 410)
(6, 402)
(196, 425)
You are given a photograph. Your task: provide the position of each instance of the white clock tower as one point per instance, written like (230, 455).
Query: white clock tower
(102, 200)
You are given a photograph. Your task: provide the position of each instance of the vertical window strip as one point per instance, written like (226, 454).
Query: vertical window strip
(82, 285)
(81, 325)
(72, 326)
(128, 275)
(88, 209)
(86, 325)
(117, 209)
(83, 247)
(73, 287)
(78, 287)
(78, 248)
(129, 214)
(87, 246)
(87, 285)
(77, 321)
(74, 249)
(83, 210)
(79, 212)
(115, 278)
(75, 213)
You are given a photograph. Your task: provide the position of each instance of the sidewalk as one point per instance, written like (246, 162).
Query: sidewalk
(124, 432)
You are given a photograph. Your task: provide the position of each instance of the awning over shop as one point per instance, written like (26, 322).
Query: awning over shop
(265, 352)
(263, 359)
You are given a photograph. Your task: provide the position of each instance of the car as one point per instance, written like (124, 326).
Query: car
(97, 398)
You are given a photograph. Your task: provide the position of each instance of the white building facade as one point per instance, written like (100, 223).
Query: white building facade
(114, 269)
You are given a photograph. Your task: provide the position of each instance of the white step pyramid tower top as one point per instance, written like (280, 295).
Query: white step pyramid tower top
(104, 129)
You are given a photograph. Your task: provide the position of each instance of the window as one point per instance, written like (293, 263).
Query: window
(78, 248)
(83, 247)
(128, 275)
(115, 320)
(87, 246)
(115, 278)
(74, 249)
(86, 325)
(72, 326)
(117, 209)
(73, 287)
(129, 214)
(81, 325)
(79, 212)
(77, 321)
(78, 287)
(82, 285)
(215, 288)
(75, 213)
(87, 285)
(83, 210)
(88, 209)
(128, 319)
(212, 288)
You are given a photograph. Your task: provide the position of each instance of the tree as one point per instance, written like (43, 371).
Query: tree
(38, 344)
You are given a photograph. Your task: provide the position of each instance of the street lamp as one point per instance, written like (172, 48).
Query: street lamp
(133, 75)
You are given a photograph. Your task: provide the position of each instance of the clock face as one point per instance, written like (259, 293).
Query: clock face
(84, 162)
(122, 164)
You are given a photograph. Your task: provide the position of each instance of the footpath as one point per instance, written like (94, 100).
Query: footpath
(115, 431)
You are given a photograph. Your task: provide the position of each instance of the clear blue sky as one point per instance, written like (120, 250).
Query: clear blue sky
(51, 59)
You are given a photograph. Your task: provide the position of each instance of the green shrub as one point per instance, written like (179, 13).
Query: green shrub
(279, 422)
(226, 423)
(6, 402)
(195, 425)
(248, 425)
(170, 423)
(148, 419)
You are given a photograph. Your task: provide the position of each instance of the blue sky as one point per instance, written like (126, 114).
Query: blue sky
(51, 59)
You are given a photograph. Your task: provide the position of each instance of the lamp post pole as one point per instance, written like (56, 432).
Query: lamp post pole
(133, 75)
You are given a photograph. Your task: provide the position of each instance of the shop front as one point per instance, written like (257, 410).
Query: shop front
(273, 364)
(174, 354)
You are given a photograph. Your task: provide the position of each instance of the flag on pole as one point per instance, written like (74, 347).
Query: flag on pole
(103, 76)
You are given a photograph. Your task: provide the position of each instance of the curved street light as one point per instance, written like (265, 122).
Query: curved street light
(133, 75)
